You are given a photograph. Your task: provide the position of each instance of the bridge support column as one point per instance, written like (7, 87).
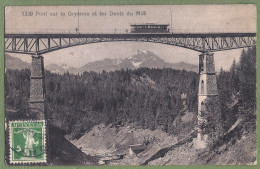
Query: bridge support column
(37, 89)
(207, 88)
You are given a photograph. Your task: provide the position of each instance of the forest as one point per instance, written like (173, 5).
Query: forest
(148, 97)
(237, 91)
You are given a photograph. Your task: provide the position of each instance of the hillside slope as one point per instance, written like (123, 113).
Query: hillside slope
(105, 140)
(15, 63)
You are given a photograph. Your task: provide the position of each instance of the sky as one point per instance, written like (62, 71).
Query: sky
(182, 19)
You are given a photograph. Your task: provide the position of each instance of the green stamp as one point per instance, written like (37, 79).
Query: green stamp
(27, 141)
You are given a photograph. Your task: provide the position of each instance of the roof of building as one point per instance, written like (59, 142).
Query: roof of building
(137, 147)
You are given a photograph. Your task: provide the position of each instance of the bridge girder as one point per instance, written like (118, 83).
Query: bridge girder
(44, 43)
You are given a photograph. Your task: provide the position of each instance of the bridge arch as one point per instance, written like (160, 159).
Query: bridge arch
(82, 44)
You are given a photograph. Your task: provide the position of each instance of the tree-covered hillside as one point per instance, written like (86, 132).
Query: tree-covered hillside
(237, 91)
(150, 98)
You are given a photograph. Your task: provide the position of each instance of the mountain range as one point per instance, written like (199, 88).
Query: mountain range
(141, 59)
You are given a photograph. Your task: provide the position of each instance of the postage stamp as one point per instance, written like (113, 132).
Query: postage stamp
(27, 142)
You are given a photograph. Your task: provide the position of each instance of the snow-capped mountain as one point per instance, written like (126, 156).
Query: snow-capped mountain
(147, 59)
(141, 59)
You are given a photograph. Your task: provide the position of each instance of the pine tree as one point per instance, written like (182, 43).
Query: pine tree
(247, 87)
(234, 77)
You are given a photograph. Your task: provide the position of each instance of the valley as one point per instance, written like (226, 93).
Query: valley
(143, 116)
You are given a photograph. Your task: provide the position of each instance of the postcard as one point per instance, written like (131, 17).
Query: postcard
(130, 85)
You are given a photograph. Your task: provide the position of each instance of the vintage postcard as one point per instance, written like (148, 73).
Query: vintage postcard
(130, 85)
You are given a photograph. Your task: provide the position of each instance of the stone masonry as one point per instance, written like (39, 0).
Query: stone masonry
(37, 89)
(207, 87)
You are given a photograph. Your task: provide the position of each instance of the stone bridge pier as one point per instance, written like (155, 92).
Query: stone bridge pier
(207, 88)
(37, 89)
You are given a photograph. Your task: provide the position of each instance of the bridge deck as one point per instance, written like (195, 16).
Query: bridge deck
(202, 42)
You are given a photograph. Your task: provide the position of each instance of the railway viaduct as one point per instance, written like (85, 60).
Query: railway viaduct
(37, 45)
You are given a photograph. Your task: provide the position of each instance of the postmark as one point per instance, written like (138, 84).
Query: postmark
(27, 141)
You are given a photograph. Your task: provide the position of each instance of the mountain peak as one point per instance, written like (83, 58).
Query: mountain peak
(146, 59)
(140, 59)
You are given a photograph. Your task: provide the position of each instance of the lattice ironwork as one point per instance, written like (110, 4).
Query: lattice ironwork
(44, 43)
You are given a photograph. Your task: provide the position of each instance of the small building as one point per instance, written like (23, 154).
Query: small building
(136, 149)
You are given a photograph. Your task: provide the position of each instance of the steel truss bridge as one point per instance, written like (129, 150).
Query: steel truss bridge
(37, 44)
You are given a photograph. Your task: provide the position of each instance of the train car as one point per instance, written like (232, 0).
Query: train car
(150, 28)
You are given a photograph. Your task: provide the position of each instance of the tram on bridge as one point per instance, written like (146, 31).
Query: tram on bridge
(150, 28)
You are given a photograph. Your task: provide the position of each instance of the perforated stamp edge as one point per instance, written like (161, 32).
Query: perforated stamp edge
(44, 144)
